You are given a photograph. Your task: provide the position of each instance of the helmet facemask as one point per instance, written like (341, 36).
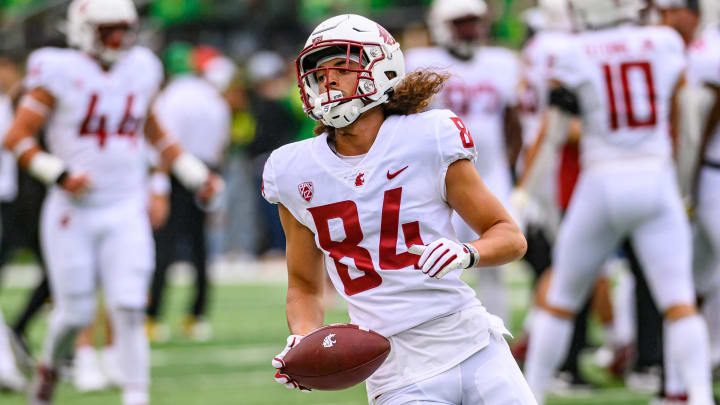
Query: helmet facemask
(103, 29)
(331, 106)
(468, 32)
(113, 40)
(458, 25)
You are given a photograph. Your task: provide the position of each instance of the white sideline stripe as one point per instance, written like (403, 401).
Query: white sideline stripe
(604, 395)
(270, 272)
(225, 273)
(192, 356)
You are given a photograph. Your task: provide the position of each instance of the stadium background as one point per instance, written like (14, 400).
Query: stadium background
(247, 310)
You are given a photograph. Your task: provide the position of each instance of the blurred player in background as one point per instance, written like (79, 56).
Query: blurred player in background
(94, 101)
(379, 182)
(549, 27)
(482, 90)
(21, 198)
(192, 110)
(10, 375)
(682, 15)
(623, 80)
(704, 73)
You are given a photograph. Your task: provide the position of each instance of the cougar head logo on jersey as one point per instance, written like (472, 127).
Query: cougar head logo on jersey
(306, 190)
(360, 179)
(376, 59)
(329, 340)
(104, 29)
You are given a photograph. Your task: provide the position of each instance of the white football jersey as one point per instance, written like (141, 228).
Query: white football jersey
(365, 216)
(538, 56)
(478, 91)
(624, 78)
(97, 123)
(194, 112)
(704, 68)
(8, 163)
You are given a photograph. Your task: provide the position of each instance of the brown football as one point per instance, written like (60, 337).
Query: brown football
(336, 357)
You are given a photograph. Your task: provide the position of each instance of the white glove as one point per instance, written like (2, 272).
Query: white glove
(519, 200)
(443, 256)
(278, 363)
(526, 209)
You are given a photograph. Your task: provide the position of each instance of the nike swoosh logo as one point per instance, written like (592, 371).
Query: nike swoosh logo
(391, 176)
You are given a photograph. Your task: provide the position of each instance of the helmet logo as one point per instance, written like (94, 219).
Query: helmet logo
(389, 40)
(316, 40)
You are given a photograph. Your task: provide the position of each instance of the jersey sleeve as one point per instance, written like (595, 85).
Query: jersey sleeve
(45, 68)
(168, 113)
(673, 59)
(454, 143)
(269, 188)
(155, 69)
(567, 67)
(511, 82)
(152, 68)
(704, 63)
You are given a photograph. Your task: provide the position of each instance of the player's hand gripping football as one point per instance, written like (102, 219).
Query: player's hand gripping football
(443, 256)
(278, 363)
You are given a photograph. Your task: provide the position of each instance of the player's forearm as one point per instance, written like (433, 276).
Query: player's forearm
(168, 147)
(502, 243)
(304, 310)
(554, 129)
(513, 134)
(20, 138)
(22, 143)
(191, 172)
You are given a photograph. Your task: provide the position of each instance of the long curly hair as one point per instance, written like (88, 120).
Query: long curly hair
(412, 95)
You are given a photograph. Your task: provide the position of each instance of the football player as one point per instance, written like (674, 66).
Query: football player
(93, 100)
(681, 15)
(371, 198)
(482, 90)
(192, 109)
(704, 72)
(622, 78)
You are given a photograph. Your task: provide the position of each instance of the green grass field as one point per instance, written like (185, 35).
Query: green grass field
(234, 368)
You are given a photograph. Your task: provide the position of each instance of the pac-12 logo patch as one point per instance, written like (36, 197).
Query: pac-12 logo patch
(306, 190)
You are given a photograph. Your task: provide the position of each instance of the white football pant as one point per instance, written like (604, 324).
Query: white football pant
(489, 377)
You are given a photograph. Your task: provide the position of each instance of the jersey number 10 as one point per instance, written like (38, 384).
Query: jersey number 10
(613, 76)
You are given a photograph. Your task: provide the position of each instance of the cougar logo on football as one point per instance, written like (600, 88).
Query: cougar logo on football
(329, 340)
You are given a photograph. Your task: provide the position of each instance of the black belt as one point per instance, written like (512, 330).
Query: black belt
(711, 164)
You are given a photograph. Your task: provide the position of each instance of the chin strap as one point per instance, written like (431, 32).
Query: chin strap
(354, 112)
